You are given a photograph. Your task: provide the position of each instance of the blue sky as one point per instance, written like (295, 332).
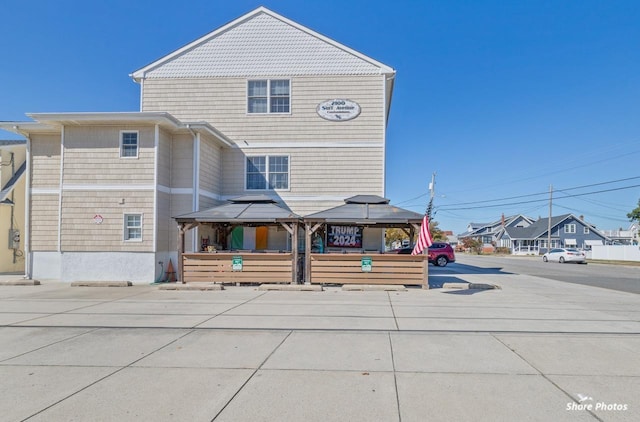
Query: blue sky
(501, 99)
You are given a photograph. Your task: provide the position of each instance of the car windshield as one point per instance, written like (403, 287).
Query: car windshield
(572, 250)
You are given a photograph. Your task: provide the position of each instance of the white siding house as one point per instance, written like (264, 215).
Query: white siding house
(261, 105)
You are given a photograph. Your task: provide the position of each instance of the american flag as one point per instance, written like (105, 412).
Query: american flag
(424, 239)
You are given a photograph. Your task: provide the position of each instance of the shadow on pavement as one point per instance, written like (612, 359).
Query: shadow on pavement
(436, 281)
(456, 268)
(464, 292)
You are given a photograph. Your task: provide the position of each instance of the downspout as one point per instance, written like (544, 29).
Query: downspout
(60, 193)
(142, 94)
(156, 150)
(196, 182)
(27, 208)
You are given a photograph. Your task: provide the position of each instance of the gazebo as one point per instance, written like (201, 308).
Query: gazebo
(352, 242)
(228, 260)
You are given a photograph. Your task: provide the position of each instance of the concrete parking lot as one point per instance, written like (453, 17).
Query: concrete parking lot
(536, 349)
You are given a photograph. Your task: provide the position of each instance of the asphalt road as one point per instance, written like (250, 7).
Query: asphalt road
(616, 277)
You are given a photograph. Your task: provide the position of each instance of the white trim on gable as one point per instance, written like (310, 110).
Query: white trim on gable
(141, 73)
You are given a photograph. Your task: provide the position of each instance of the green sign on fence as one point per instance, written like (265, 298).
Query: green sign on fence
(366, 263)
(236, 263)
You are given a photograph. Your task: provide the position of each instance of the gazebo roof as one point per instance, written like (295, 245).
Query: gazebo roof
(241, 210)
(366, 209)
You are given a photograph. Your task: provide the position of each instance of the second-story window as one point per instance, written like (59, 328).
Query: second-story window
(268, 96)
(267, 172)
(129, 144)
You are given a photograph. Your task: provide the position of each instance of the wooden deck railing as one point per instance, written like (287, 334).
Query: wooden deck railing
(385, 269)
(250, 267)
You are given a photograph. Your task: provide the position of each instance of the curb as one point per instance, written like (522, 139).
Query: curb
(20, 282)
(291, 287)
(191, 286)
(101, 284)
(373, 288)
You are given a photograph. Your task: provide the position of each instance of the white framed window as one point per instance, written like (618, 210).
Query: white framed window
(569, 228)
(585, 230)
(129, 143)
(133, 227)
(267, 172)
(268, 96)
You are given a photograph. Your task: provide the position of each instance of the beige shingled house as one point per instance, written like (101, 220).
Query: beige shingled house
(260, 106)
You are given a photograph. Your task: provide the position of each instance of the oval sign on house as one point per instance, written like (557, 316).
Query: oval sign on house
(338, 110)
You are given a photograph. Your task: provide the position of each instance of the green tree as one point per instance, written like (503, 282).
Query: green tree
(436, 233)
(472, 245)
(635, 214)
(392, 235)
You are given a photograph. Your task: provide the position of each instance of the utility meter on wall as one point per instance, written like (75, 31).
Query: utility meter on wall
(14, 239)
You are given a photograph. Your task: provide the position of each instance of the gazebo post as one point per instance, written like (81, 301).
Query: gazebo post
(307, 253)
(181, 230)
(293, 231)
(308, 231)
(294, 250)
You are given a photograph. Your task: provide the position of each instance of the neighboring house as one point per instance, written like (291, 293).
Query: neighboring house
(623, 237)
(12, 182)
(491, 234)
(566, 231)
(261, 105)
(450, 238)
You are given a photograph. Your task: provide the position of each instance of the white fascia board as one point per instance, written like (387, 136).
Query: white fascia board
(25, 128)
(106, 117)
(140, 74)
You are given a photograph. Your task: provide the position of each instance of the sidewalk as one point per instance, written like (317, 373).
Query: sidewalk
(529, 351)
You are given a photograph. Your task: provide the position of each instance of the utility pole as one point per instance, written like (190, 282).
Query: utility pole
(432, 193)
(549, 224)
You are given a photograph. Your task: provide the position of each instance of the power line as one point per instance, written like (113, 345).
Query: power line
(625, 154)
(539, 193)
(540, 200)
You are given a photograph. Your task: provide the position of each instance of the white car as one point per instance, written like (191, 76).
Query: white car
(563, 255)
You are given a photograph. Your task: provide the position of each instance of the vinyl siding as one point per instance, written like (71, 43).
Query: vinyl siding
(164, 159)
(81, 234)
(222, 102)
(92, 155)
(45, 174)
(210, 166)
(44, 222)
(341, 172)
(182, 162)
(166, 225)
(45, 161)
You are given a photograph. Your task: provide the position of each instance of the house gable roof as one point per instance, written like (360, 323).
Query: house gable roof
(261, 43)
(11, 184)
(478, 229)
(540, 227)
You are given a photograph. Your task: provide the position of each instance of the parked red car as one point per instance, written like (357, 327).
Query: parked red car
(440, 254)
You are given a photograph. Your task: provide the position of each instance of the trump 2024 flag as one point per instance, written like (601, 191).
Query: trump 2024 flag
(424, 239)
